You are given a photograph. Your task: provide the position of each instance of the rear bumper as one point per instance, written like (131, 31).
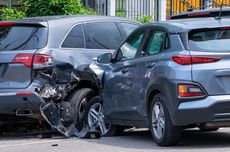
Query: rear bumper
(212, 109)
(20, 102)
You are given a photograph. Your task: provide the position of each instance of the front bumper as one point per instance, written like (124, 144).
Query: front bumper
(212, 109)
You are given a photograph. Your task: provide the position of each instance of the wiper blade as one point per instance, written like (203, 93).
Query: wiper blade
(27, 40)
(5, 46)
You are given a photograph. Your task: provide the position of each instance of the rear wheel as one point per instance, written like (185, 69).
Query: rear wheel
(96, 120)
(79, 101)
(162, 129)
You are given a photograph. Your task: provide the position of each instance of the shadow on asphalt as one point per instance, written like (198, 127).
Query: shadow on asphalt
(191, 139)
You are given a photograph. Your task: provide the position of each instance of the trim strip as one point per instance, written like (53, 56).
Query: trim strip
(8, 94)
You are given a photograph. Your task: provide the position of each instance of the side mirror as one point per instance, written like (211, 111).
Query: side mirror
(105, 58)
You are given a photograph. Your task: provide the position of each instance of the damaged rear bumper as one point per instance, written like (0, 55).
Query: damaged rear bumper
(20, 102)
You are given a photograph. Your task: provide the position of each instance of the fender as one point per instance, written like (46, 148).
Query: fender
(168, 88)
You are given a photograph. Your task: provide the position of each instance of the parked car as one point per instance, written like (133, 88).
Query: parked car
(214, 12)
(38, 55)
(166, 76)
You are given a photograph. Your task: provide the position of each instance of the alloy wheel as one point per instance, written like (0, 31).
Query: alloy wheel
(96, 119)
(158, 120)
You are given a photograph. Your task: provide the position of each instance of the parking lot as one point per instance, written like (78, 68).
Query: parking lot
(192, 140)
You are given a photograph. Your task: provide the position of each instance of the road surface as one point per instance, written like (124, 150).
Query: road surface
(137, 141)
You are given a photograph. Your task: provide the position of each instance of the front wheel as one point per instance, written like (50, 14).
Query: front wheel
(162, 129)
(96, 120)
(79, 100)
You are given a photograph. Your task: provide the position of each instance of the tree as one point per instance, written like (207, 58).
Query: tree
(54, 7)
(10, 14)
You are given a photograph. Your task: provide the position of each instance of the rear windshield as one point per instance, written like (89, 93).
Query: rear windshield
(210, 40)
(22, 38)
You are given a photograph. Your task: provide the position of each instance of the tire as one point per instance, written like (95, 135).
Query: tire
(161, 127)
(79, 100)
(95, 104)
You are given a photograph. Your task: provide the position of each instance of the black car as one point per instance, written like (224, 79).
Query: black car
(38, 55)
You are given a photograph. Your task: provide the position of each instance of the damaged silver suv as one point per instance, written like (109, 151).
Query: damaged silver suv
(38, 56)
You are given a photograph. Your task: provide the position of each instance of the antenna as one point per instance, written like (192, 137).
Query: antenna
(221, 7)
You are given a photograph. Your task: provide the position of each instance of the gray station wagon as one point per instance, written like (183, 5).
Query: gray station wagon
(38, 55)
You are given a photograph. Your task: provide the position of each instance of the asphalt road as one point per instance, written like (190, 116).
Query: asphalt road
(192, 141)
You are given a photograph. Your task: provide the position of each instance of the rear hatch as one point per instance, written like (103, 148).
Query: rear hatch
(213, 46)
(18, 44)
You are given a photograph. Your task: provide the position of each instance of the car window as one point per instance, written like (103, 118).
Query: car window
(22, 37)
(215, 40)
(129, 49)
(75, 38)
(128, 27)
(155, 41)
(102, 35)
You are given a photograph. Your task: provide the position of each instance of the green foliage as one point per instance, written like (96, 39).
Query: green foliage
(11, 14)
(54, 7)
(144, 19)
(120, 13)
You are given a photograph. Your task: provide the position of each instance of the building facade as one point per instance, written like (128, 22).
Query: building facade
(9, 3)
(158, 9)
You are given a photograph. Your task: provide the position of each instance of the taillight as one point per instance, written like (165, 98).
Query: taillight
(6, 24)
(30, 60)
(189, 90)
(188, 60)
(42, 59)
(24, 93)
(25, 59)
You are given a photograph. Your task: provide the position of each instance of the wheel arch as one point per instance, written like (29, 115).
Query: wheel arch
(83, 84)
(168, 89)
(151, 93)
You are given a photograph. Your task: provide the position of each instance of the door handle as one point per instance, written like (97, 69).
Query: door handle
(124, 70)
(150, 65)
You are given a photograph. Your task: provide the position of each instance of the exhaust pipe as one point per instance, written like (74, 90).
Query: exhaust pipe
(215, 125)
(24, 112)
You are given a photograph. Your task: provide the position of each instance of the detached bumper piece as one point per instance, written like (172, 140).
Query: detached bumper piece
(61, 118)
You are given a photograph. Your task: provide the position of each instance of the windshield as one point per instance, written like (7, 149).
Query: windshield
(210, 40)
(22, 38)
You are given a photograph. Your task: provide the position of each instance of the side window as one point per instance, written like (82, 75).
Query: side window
(128, 27)
(129, 49)
(102, 35)
(155, 41)
(75, 38)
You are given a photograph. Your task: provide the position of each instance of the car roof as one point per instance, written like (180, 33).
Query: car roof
(225, 12)
(186, 25)
(59, 26)
(70, 19)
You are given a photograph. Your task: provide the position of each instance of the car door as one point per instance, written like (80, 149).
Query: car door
(86, 41)
(147, 68)
(119, 81)
(102, 37)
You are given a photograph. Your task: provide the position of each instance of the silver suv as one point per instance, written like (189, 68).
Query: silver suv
(167, 76)
(38, 56)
